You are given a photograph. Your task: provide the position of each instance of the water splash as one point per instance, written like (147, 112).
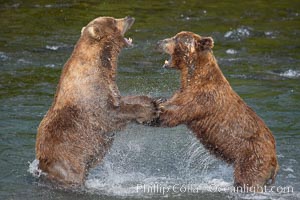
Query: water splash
(148, 162)
(34, 170)
(197, 159)
(138, 162)
(239, 33)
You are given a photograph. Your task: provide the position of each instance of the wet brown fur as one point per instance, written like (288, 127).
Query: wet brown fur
(219, 118)
(78, 128)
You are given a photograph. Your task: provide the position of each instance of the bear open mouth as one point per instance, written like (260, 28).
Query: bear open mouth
(167, 63)
(161, 48)
(128, 42)
(126, 26)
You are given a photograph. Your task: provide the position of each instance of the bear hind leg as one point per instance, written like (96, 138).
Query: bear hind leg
(254, 173)
(66, 174)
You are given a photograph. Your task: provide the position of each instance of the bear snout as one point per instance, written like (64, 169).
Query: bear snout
(159, 46)
(129, 21)
(166, 46)
(125, 24)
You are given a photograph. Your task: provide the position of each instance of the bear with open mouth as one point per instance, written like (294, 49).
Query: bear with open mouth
(79, 127)
(216, 114)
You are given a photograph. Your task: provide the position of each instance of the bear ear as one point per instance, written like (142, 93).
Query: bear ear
(94, 32)
(83, 28)
(206, 43)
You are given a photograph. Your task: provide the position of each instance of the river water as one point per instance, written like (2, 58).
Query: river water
(257, 46)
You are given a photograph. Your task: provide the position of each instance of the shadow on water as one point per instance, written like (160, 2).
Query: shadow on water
(257, 47)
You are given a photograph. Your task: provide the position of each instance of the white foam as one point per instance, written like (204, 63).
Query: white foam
(242, 76)
(50, 65)
(3, 56)
(228, 34)
(231, 51)
(288, 169)
(271, 34)
(238, 33)
(268, 33)
(61, 5)
(23, 61)
(290, 73)
(53, 48)
(291, 176)
(243, 31)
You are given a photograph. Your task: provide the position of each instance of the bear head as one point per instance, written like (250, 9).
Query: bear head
(108, 28)
(183, 48)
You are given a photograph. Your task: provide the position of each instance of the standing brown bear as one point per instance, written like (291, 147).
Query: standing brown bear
(219, 118)
(87, 109)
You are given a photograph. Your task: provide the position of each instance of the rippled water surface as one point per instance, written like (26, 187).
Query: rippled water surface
(257, 46)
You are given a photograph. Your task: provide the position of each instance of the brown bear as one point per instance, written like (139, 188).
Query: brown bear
(219, 118)
(87, 110)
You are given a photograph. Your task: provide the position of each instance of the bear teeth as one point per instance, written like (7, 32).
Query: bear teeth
(166, 64)
(128, 41)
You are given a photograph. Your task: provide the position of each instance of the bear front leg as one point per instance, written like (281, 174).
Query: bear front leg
(141, 109)
(182, 108)
(179, 109)
(170, 115)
